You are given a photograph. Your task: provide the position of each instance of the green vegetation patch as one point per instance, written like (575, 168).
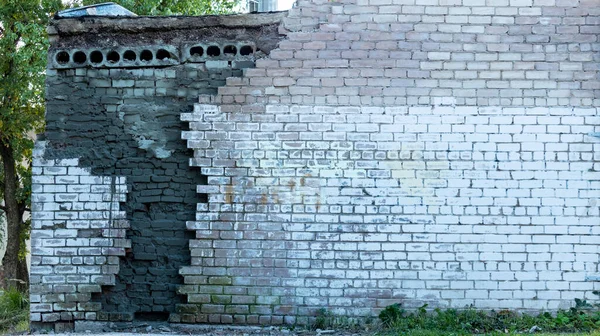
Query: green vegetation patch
(583, 318)
(14, 311)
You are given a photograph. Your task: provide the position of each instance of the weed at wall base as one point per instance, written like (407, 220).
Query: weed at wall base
(325, 319)
(581, 318)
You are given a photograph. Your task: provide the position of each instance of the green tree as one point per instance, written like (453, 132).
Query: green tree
(174, 7)
(23, 45)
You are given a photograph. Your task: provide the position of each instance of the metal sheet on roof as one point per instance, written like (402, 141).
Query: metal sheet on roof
(103, 9)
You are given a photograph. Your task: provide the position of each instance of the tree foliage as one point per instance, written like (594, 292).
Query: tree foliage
(174, 7)
(23, 45)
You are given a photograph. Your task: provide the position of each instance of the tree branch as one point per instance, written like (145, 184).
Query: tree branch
(2, 208)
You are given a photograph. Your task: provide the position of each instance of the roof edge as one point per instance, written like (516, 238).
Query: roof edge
(96, 24)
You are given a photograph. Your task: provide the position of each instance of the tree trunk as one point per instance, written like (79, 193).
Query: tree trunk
(10, 262)
(23, 275)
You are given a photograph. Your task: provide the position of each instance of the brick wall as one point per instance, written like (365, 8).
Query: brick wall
(386, 151)
(78, 234)
(423, 52)
(113, 112)
(355, 208)
(402, 151)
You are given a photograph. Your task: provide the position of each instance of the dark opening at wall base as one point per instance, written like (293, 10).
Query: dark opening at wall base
(152, 316)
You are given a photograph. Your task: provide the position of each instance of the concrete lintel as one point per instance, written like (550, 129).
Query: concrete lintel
(97, 24)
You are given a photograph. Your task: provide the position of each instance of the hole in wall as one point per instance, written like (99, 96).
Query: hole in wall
(62, 57)
(213, 51)
(196, 51)
(146, 55)
(246, 50)
(113, 57)
(201, 179)
(96, 57)
(230, 50)
(79, 57)
(151, 316)
(129, 56)
(162, 54)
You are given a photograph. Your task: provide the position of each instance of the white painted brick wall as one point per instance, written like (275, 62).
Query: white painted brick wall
(77, 236)
(368, 206)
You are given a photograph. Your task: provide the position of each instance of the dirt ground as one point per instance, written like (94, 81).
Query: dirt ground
(218, 331)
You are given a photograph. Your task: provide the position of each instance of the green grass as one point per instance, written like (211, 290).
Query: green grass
(583, 318)
(440, 333)
(14, 312)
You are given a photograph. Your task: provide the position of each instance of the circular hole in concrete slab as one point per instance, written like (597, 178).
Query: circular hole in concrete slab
(62, 57)
(146, 55)
(113, 57)
(230, 50)
(246, 50)
(79, 57)
(213, 51)
(129, 56)
(196, 51)
(162, 54)
(96, 57)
